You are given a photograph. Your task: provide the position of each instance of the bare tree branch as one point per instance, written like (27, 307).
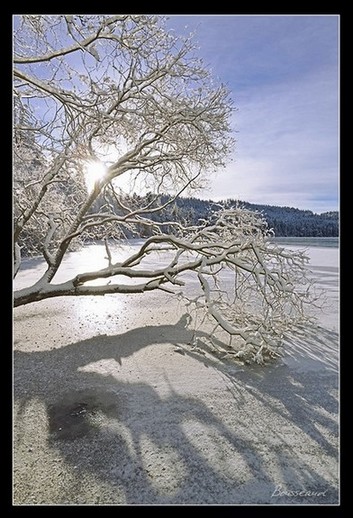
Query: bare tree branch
(83, 44)
(17, 261)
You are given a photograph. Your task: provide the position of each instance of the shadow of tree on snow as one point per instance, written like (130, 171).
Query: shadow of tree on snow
(175, 448)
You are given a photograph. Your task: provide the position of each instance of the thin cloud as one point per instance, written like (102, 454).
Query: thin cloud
(283, 74)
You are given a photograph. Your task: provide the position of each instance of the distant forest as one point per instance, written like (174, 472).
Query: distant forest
(285, 221)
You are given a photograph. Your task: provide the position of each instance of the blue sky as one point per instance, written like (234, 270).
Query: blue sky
(283, 75)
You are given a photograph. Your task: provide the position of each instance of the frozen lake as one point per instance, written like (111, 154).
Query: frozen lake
(323, 254)
(324, 265)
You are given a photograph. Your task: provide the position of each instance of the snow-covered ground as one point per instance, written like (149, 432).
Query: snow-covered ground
(112, 406)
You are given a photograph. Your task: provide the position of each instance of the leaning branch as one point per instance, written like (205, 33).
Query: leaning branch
(46, 291)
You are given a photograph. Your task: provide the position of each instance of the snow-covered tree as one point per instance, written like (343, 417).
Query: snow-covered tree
(105, 102)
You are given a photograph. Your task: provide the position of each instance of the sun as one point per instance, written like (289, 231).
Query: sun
(94, 171)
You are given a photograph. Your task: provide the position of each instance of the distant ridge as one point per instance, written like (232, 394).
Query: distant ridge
(290, 221)
(285, 221)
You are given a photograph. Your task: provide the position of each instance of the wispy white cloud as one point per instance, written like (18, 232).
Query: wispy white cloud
(283, 75)
(287, 147)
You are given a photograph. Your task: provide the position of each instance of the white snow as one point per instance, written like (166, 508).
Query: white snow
(174, 426)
